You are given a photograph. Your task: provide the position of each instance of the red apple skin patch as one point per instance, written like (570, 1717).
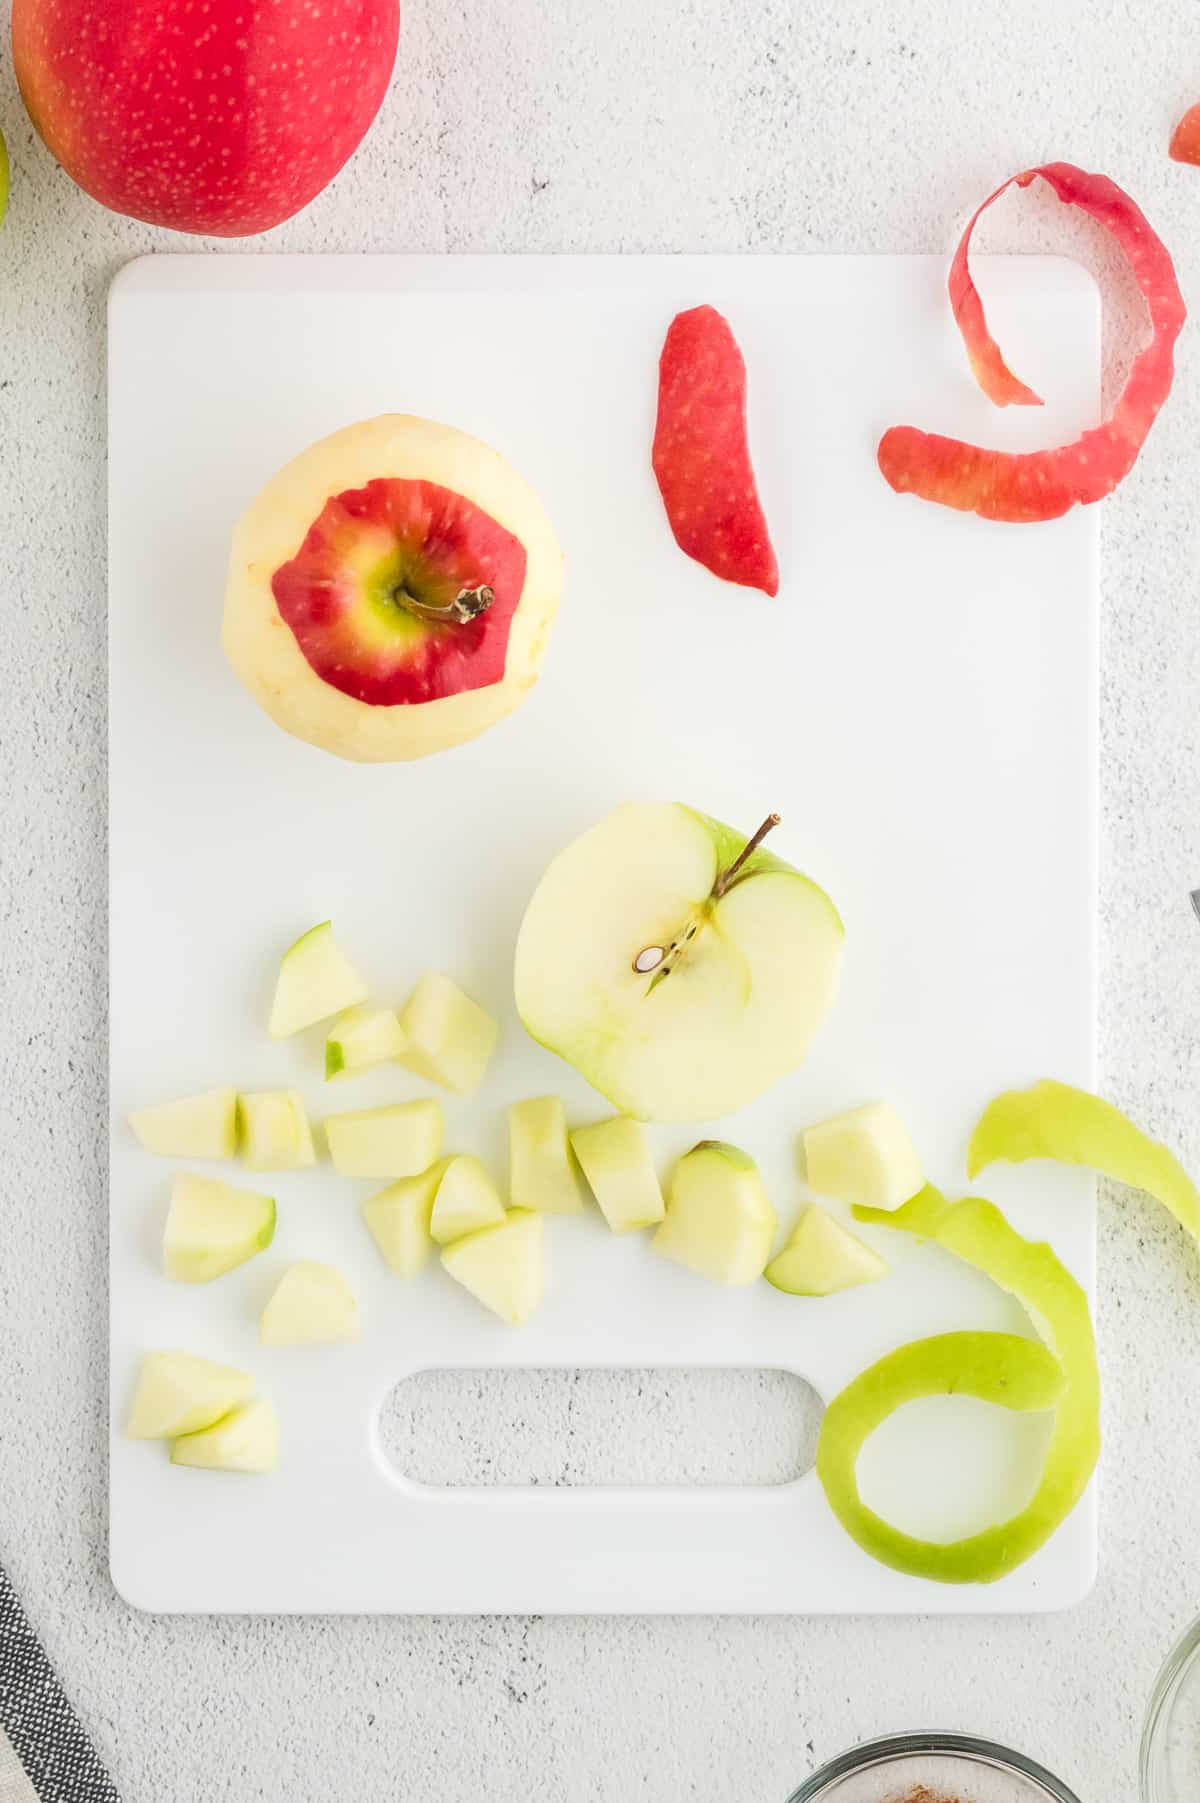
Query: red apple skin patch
(701, 454)
(1185, 140)
(1021, 486)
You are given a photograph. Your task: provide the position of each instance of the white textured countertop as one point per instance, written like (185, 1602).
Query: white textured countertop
(639, 125)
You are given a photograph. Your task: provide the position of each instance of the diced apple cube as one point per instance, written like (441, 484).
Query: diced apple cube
(541, 1166)
(247, 1439)
(864, 1157)
(823, 1257)
(450, 1038)
(501, 1265)
(398, 1140)
(399, 1218)
(203, 1126)
(720, 1221)
(361, 1038)
(615, 1158)
(315, 980)
(275, 1132)
(212, 1227)
(311, 1304)
(466, 1200)
(178, 1393)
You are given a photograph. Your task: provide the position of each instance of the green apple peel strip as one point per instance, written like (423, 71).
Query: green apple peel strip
(1062, 1374)
(1052, 1120)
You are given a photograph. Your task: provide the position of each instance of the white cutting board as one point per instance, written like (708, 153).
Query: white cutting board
(918, 703)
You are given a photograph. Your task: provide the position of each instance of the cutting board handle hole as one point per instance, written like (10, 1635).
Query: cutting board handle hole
(560, 1427)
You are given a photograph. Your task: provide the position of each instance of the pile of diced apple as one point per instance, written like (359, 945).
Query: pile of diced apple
(715, 1218)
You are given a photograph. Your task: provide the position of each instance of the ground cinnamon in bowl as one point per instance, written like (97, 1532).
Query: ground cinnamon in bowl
(932, 1768)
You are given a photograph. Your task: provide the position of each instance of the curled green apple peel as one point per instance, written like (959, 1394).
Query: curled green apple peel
(1053, 1120)
(999, 1368)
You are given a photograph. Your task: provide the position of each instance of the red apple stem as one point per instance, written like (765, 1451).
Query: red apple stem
(467, 605)
(747, 852)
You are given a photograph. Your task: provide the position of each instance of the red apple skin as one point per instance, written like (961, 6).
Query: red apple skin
(214, 116)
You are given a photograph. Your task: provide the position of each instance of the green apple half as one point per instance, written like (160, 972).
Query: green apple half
(679, 967)
(988, 1367)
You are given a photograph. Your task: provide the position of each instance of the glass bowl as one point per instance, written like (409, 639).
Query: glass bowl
(932, 1768)
(1170, 1761)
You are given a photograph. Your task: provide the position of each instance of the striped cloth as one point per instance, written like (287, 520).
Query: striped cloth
(45, 1757)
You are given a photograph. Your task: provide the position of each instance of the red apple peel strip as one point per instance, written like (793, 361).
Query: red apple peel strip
(1042, 485)
(701, 454)
(1185, 140)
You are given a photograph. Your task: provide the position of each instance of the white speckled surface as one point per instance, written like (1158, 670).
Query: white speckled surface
(642, 124)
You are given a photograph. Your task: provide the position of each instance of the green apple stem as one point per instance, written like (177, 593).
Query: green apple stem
(727, 877)
(662, 960)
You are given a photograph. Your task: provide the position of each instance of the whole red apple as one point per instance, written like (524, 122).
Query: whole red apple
(221, 116)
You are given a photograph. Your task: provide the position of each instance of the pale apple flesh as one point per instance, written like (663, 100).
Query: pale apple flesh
(615, 1158)
(213, 1227)
(720, 1221)
(501, 1265)
(247, 1439)
(822, 1258)
(312, 1304)
(316, 979)
(466, 1200)
(391, 590)
(751, 971)
(361, 1038)
(397, 1140)
(864, 1157)
(202, 1126)
(178, 1393)
(274, 1130)
(541, 1166)
(449, 1038)
(399, 1216)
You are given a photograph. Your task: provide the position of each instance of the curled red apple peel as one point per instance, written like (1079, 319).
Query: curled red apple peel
(1185, 141)
(701, 452)
(1020, 486)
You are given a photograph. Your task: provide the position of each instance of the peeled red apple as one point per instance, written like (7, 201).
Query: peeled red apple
(391, 591)
(223, 117)
(681, 968)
